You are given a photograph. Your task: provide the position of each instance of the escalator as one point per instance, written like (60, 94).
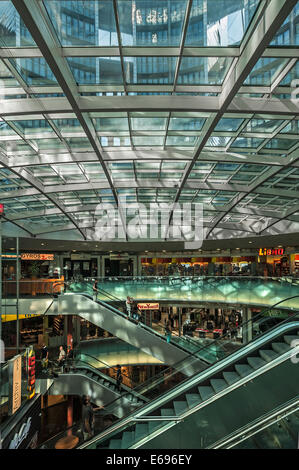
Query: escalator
(185, 343)
(234, 391)
(85, 379)
(281, 435)
(109, 318)
(276, 430)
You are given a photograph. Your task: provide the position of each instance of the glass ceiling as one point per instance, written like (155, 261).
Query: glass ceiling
(156, 100)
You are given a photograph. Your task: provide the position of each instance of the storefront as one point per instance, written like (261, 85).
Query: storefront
(274, 262)
(80, 265)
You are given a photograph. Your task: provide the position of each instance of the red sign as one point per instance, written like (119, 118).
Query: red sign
(37, 256)
(1, 209)
(271, 251)
(150, 306)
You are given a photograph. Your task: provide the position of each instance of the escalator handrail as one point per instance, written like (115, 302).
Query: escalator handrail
(194, 381)
(258, 424)
(100, 361)
(206, 347)
(142, 325)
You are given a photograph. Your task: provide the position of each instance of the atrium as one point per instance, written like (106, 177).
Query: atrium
(149, 224)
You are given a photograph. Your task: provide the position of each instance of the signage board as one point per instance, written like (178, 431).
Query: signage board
(271, 251)
(37, 256)
(148, 306)
(24, 433)
(80, 257)
(15, 383)
(13, 317)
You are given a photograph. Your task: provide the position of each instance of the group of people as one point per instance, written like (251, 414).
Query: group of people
(64, 360)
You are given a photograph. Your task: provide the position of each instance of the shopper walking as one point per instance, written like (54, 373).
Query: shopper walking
(45, 358)
(168, 331)
(88, 418)
(95, 291)
(129, 305)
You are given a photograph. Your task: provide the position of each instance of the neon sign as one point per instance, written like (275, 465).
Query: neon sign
(271, 251)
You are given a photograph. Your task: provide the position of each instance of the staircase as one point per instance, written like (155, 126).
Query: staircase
(258, 361)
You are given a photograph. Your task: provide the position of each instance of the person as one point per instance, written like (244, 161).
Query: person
(129, 305)
(88, 418)
(95, 291)
(61, 357)
(119, 377)
(45, 358)
(168, 331)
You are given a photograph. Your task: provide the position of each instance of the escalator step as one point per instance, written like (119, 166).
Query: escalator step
(268, 355)
(141, 430)
(206, 392)
(127, 439)
(193, 399)
(218, 385)
(256, 362)
(289, 338)
(153, 425)
(167, 412)
(180, 407)
(231, 377)
(280, 348)
(115, 444)
(243, 369)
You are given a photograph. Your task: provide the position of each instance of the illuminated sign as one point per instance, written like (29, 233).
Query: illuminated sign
(150, 306)
(31, 372)
(37, 256)
(1, 209)
(271, 251)
(13, 317)
(15, 384)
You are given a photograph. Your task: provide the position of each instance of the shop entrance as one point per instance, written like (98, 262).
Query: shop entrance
(79, 268)
(115, 267)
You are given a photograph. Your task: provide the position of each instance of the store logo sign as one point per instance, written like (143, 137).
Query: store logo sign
(271, 251)
(20, 436)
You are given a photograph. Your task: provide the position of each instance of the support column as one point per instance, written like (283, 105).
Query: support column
(18, 295)
(69, 415)
(69, 336)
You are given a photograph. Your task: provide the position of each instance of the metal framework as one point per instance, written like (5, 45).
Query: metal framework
(83, 121)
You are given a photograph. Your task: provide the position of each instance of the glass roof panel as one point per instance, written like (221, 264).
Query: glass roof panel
(185, 124)
(111, 124)
(288, 33)
(203, 70)
(229, 124)
(34, 71)
(96, 70)
(263, 125)
(154, 123)
(83, 22)
(139, 141)
(151, 22)
(219, 22)
(265, 71)
(146, 70)
(13, 31)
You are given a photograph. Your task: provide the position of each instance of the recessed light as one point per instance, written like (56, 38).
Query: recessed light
(250, 242)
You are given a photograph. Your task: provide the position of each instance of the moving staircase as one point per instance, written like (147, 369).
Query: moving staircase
(229, 394)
